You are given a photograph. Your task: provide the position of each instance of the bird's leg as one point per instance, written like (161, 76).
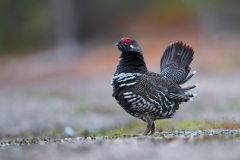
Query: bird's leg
(150, 127)
(153, 128)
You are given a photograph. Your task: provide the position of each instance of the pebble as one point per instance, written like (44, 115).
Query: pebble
(187, 133)
(199, 133)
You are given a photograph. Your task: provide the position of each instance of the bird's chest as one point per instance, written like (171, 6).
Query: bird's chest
(123, 81)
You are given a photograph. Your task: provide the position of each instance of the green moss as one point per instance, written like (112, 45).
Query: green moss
(138, 127)
(190, 125)
(133, 129)
(54, 133)
(225, 123)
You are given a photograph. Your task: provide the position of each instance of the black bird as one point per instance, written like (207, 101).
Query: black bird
(150, 96)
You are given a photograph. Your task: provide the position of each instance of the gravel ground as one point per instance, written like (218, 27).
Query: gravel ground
(198, 145)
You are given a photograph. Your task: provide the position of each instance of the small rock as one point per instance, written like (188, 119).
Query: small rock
(187, 133)
(200, 132)
(69, 131)
(88, 138)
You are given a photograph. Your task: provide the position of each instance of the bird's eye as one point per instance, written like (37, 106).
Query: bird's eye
(127, 43)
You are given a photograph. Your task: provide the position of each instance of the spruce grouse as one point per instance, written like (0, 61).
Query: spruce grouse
(150, 96)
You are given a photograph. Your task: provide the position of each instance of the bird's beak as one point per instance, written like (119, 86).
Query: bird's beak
(116, 44)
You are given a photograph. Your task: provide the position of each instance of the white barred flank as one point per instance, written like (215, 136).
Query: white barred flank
(127, 93)
(138, 103)
(127, 84)
(131, 100)
(152, 100)
(122, 77)
(163, 95)
(167, 106)
(126, 75)
(126, 79)
(164, 114)
(128, 96)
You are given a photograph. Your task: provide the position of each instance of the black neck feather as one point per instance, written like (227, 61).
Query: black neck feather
(131, 62)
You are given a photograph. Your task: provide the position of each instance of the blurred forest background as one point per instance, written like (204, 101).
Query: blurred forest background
(57, 58)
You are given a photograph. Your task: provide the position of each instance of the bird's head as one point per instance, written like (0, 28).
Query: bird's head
(128, 45)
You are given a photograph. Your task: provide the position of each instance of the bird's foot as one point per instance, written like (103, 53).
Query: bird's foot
(150, 127)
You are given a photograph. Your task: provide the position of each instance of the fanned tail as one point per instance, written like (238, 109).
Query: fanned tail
(175, 62)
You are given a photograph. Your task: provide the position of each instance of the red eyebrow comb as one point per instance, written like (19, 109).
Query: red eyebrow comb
(127, 40)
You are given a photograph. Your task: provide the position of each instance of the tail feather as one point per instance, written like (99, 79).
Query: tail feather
(176, 60)
(188, 77)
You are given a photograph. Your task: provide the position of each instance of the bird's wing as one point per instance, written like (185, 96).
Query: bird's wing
(167, 87)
